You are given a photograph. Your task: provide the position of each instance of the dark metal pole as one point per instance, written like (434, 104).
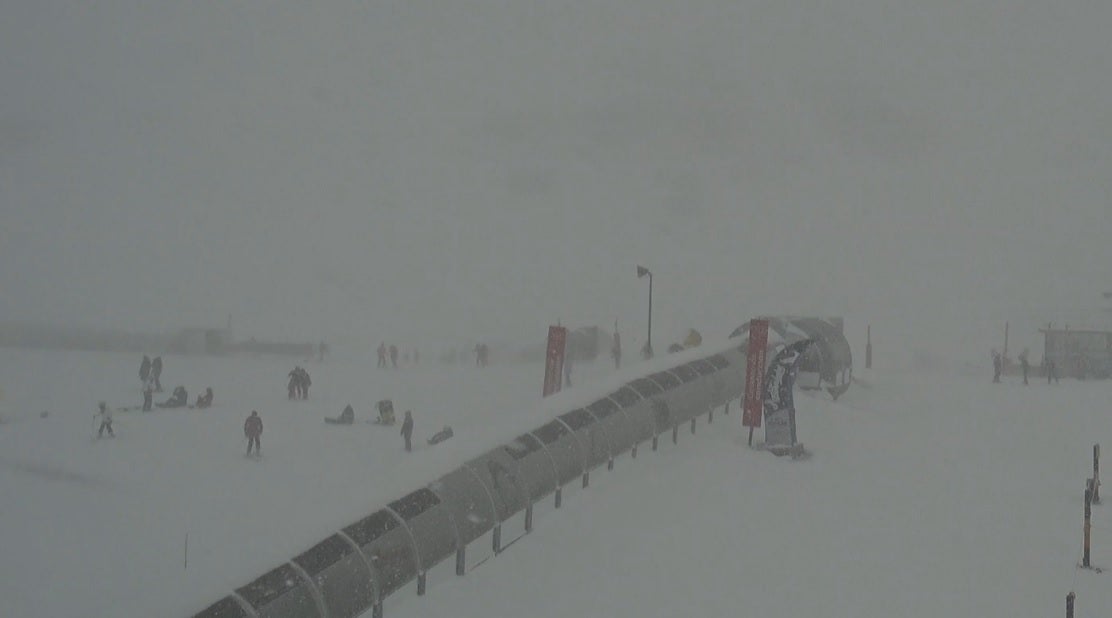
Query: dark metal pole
(1096, 474)
(1088, 513)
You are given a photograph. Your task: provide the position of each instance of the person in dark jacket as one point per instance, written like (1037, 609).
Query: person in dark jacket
(292, 386)
(394, 355)
(145, 368)
(997, 366)
(407, 430)
(205, 401)
(304, 382)
(178, 399)
(441, 435)
(1023, 364)
(253, 429)
(156, 373)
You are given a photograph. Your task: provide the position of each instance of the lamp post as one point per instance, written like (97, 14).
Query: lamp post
(647, 352)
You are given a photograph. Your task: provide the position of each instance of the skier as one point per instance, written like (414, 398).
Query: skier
(394, 355)
(407, 430)
(145, 368)
(616, 350)
(997, 365)
(156, 373)
(148, 393)
(253, 429)
(382, 355)
(1024, 365)
(105, 415)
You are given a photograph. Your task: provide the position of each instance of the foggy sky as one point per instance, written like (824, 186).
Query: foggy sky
(457, 169)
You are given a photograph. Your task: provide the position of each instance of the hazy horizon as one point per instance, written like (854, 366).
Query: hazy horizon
(474, 169)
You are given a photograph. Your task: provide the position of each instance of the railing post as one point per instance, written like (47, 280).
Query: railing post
(1088, 513)
(586, 479)
(421, 583)
(461, 560)
(529, 517)
(559, 496)
(376, 610)
(710, 416)
(610, 464)
(496, 539)
(675, 434)
(656, 442)
(1096, 474)
(693, 426)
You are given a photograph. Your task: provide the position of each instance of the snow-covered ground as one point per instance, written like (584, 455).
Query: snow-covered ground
(935, 495)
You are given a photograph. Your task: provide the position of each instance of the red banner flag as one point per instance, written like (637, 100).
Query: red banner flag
(754, 373)
(554, 360)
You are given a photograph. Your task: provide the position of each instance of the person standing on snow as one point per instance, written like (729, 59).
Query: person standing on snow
(105, 415)
(394, 355)
(382, 355)
(253, 429)
(148, 394)
(407, 431)
(156, 373)
(997, 366)
(145, 368)
(1023, 364)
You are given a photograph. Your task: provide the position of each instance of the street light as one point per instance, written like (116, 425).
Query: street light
(647, 351)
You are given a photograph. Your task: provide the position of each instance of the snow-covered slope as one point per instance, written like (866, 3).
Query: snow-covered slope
(925, 496)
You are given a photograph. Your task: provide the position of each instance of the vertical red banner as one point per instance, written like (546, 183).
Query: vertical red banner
(754, 373)
(554, 360)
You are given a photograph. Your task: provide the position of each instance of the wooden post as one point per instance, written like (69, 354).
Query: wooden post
(559, 496)
(710, 416)
(1069, 604)
(656, 442)
(529, 518)
(461, 560)
(1096, 474)
(496, 539)
(376, 610)
(586, 479)
(675, 434)
(692, 426)
(633, 453)
(727, 410)
(421, 582)
(610, 464)
(1088, 514)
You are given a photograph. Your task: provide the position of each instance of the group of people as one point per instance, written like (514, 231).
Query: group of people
(388, 356)
(151, 371)
(386, 417)
(299, 383)
(482, 355)
(998, 361)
